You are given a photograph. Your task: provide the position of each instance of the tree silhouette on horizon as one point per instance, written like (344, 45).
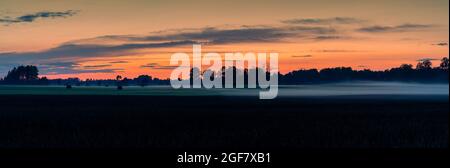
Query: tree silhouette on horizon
(424, 72)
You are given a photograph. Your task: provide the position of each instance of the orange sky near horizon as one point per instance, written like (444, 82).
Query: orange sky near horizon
(103, 39)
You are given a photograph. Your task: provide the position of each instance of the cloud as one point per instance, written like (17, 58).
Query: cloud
(131, 45)
(213, 35)
(149, 65)
(34, 16)
(158, 66)
(398, 28)
(118, 62)
(216, 35)
(301, 56)
(441, 44)
(427, 59)
(73, 51)
(324, 21)
(60, 65)
(71, 68)
(78, 71)
(330, 37)
(337, 51)
(312, 30)
(96, 66)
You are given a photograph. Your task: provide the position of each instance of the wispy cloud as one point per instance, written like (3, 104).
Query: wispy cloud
(158, 66)
(56, 68)
(77, 71)
(302, 56)
(149, 65)
(427, 59)
(54, 65)
(312, 29)
(337, 51)
(118, 62)
(398, 28)
(34, 16)
(441, 44)
(129, 45)
(330, 37)
(298, 30)
(96, 66)
(217, 35)
(72, 51)
(324, 21)
(76, 53)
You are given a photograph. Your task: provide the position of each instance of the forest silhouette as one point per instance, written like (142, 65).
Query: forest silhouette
(423, 72)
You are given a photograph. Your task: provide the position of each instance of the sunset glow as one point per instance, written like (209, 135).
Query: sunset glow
(102, 39)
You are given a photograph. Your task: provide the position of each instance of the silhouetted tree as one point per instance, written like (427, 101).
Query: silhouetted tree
(119, 83)
(444, 63)
(424, 65)
(143, 80)
(126, 81)
(337, 74)
(406, 67)
(405, 73)
(23, 73)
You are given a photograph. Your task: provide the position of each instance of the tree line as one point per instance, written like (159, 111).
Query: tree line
(423, 72)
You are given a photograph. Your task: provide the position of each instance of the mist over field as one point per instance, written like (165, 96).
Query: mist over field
(365, 89)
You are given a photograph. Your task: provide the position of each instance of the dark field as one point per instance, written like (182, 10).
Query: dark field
(219, 124)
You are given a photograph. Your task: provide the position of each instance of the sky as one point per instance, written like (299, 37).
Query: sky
(105, 38)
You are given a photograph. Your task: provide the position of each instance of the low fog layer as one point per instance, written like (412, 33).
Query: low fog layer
(352, 89)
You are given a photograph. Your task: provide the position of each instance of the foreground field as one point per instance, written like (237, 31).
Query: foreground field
(156, 128)
(310, 123)
(334, 89)
(211, 122)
